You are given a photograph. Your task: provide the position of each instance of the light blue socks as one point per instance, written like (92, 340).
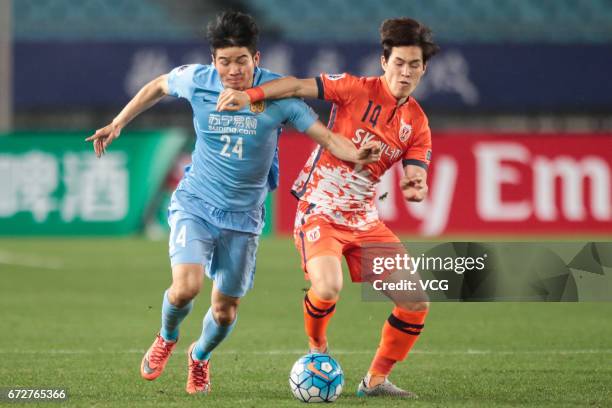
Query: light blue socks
(212, 335)
(172, 317)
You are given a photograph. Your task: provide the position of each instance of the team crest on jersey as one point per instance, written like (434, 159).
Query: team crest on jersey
(258, 107)
(334, 77)
(405, 131)
(313, 234)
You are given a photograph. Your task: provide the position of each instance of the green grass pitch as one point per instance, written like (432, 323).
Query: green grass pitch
(79, 313)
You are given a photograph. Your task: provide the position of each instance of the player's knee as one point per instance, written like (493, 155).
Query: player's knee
(325, 274)
(182, 294)
(328, 291)
(225, 314)
(186, 284)
(414, 306)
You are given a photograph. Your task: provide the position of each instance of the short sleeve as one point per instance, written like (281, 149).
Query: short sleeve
(339, 88)
(299, 114)
(419, 151)
(180, 81)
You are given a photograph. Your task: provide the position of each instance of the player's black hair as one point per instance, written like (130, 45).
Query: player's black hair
(233, 29)
(404, 31)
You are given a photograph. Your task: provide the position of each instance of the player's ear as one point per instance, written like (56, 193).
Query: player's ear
(256, 58)
(383, 63)
(212, 58)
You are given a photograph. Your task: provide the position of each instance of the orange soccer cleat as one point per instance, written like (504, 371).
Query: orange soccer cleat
(198, 375)
(156, 357)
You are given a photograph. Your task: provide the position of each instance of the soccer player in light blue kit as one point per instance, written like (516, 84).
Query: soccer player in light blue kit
(216, 214)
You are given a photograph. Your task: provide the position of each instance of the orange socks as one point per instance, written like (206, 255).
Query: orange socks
(400, 332)
(317, 313)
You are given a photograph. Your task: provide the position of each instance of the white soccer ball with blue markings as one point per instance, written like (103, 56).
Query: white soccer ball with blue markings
(316, 378)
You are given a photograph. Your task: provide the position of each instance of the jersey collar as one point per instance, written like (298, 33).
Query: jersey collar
(388, 96)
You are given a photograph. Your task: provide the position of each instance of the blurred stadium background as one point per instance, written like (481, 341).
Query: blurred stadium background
(519, 102)
(520, 105)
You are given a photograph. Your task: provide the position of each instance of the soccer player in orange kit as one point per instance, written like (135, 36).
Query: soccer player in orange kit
(336, 213)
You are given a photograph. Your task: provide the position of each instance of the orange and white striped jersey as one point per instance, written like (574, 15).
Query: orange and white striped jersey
(363, 110)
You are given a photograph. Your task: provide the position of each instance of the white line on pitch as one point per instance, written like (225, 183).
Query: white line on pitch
(30, 261)
(334, 352)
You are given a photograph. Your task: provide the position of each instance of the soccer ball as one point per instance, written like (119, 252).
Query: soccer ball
(316, 378)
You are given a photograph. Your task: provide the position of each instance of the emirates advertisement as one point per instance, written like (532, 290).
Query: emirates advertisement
(488, 183)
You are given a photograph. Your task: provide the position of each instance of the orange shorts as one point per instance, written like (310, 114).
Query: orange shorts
(319, 236)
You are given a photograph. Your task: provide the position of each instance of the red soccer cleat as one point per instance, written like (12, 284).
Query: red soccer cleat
(155, 359)
(198, 375)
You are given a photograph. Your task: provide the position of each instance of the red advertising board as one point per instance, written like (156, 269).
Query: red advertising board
(489, 183)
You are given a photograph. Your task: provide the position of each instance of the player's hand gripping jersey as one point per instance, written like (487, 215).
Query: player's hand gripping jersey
(364, 109)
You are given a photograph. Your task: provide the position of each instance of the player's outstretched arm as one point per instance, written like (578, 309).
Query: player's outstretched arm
(342, 147)
(148, 96)
(286, 87)
(414, 183)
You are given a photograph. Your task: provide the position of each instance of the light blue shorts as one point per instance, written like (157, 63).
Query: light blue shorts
(228, 256)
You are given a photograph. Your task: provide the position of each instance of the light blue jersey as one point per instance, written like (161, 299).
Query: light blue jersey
(235, 161)
(216, 213)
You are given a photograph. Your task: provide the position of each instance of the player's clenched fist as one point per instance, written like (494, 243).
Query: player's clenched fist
(414, 188)
(232, 100)
(369, 153)
(104, 137)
